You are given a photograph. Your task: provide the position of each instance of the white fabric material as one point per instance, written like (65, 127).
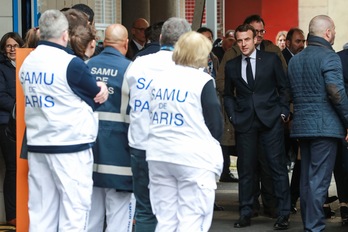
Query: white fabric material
(49, 96)
(139, 77)
(182, 197)
(178, 133)
(60, 190)
(118, 207)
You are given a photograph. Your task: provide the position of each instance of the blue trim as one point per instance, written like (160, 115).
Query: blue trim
(15, 15)
(35, 14)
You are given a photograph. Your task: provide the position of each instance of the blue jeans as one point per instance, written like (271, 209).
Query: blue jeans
(145, 220)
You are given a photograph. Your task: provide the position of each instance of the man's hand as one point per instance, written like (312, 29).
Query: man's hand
(103, 95)
(346, 138)
(285, 119)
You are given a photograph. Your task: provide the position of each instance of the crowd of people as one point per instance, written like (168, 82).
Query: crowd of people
(132, 135)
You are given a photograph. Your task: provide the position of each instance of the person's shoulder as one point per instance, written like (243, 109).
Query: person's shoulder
(270, 46)
(343, 53)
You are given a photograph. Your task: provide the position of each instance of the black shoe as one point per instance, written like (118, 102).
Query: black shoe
(229, 178)
(293, 209)
(344, 215)
(282, 223)
(243, 221)
(218, 207)
(328, 213)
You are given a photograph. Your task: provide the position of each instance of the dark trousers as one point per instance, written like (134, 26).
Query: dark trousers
(8, 150)
(227, 151)
(317, 163)
(341, 175)
(272, 142)
(145, 220)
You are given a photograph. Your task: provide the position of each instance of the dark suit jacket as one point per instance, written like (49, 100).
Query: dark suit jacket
(287, 55)
(344, 59)
(132, 50)
(267, 100)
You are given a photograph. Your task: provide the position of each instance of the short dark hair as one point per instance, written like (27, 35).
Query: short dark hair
(153, 32)
(205, 29)
(254, 18)
(85, 9)
(292, 31)
(244, 28)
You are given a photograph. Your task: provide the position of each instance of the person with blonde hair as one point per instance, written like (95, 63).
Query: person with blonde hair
(280, 39)
(184, 153)
(139, 77)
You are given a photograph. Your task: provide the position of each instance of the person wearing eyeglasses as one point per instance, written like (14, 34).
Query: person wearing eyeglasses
(267, 194)
(138, 40)
(8, 45)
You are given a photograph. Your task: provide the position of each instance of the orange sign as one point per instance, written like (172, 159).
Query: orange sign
(22, 164)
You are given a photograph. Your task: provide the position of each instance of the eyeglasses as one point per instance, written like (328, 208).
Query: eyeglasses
(10, 46)
(260, 31)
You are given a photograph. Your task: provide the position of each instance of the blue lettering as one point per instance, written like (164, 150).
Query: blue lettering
(182, 100)
(139, 104)
(37, 78)
(142, 83)
(49, 101)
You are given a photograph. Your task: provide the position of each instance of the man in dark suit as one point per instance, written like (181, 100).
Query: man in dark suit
(295, 41)
(138, 40)
(257, 103)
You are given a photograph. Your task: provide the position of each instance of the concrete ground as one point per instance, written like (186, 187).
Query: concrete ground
(227, 197)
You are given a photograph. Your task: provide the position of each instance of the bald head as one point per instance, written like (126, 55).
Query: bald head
(138, 30)
(323, 26)
(116, 36)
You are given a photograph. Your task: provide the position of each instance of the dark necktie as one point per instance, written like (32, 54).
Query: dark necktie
(249, 73)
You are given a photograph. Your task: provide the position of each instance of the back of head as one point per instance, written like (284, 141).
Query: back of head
(85, 9)
(153, 32)
(31, 38)
(172, 29)
(254, 18)
(116, 36)
(319, 24)
(192, 50)
(52, 24)
(75, 18)
(80, 37)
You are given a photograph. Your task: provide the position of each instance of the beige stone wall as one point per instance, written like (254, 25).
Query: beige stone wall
(5, 18)
(336, 9)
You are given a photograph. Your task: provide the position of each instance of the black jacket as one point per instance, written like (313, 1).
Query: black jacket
(7, 88)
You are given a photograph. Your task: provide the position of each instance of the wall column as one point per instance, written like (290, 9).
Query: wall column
(133, 9)
(161, 10)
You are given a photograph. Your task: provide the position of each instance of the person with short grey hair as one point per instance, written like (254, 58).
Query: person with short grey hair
(60, 98)
(184, 153)
(172, 29)
(139, 77)
(320, 116)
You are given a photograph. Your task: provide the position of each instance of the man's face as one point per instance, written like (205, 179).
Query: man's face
(228, 41)
(208, 35)
(138, 31)
(260, 31)
(246, 42)
(296, 44)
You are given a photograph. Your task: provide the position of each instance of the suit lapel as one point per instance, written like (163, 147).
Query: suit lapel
(239, 71)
